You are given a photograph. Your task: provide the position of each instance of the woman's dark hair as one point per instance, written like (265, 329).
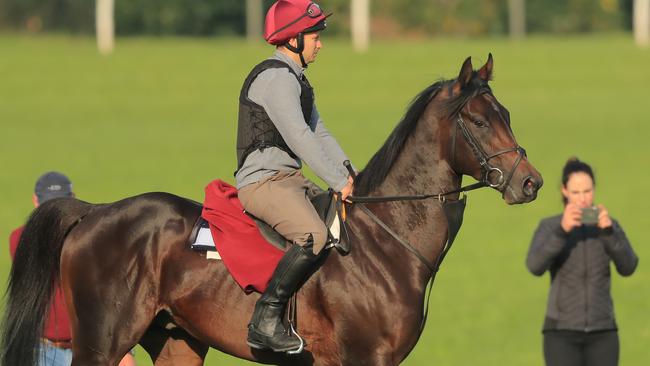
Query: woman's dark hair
(574, 165)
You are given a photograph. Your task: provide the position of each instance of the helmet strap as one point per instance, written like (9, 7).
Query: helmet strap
(300, 38)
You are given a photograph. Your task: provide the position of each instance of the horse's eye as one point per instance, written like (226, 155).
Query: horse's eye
(480, 123)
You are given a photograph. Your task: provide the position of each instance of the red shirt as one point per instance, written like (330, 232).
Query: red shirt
(57, 323)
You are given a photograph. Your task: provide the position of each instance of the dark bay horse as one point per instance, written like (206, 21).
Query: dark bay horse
(129, 277)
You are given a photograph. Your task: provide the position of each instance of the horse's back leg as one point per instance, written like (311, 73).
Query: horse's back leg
(105, 332)
(111, 303)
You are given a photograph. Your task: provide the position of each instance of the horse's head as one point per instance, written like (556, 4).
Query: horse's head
(482, 142)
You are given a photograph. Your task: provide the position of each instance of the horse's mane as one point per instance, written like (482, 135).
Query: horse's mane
(380, 164)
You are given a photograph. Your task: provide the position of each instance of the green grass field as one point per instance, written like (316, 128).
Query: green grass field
(160, 114)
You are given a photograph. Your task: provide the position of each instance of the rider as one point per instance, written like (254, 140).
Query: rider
(279, 127)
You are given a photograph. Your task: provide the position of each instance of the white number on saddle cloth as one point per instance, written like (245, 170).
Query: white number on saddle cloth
(204, 241)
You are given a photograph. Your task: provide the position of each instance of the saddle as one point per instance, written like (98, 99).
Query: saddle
(329, 207)
(330, 210)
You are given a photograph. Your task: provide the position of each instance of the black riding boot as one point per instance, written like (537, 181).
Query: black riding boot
(266, 329)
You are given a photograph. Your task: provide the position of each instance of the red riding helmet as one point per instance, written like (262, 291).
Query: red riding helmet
(287, 19)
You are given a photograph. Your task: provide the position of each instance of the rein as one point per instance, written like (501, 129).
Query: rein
(441, 197)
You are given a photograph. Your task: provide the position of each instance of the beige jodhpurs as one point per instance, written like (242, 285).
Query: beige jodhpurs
(282, 201)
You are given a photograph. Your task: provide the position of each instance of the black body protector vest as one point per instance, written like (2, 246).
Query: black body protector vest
(255, 129)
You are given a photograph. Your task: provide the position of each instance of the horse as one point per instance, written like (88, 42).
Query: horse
(129, 277)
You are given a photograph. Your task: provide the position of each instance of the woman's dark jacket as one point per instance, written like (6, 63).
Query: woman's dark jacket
(578, 261)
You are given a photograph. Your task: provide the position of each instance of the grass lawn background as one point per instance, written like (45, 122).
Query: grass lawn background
(160, 115)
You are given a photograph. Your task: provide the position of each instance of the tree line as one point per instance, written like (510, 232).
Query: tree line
(389, 17)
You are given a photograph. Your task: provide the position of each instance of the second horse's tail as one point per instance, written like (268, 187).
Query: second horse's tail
(33, 277)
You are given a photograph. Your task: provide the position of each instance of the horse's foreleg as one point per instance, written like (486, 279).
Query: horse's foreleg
(173, 347)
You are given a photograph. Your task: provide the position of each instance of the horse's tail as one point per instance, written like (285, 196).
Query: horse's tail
(33, 277)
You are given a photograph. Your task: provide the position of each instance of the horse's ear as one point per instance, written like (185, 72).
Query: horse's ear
(465, 75)
(485, 73)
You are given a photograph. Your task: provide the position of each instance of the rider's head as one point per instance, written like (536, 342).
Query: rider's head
(295, 26)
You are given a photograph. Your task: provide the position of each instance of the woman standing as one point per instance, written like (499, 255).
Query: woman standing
(576, 247)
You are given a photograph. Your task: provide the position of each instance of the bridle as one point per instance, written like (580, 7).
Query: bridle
(484, 159)
(481, 156)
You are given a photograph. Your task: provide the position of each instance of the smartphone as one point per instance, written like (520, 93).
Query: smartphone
(590, 215)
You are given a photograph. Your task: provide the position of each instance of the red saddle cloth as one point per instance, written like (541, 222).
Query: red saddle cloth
(250, 259)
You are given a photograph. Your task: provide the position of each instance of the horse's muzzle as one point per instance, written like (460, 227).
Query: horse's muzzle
(531, 186)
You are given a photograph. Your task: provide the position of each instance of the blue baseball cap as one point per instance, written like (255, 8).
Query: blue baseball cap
(52, 185)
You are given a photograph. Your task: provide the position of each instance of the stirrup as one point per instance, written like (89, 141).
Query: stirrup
(302, 342)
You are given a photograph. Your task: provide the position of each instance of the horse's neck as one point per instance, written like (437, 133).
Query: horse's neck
(422, 165)
(421, 168)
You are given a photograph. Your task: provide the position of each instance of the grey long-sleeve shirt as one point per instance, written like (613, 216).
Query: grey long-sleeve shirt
(579, 264)
(278, 92)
